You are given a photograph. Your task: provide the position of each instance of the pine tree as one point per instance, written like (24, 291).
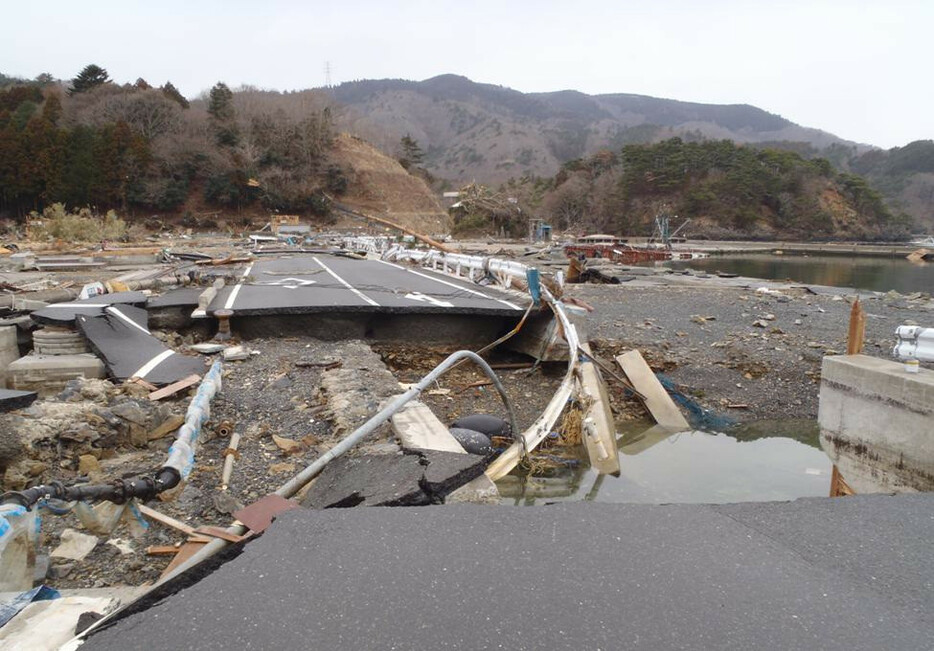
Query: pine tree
(411, 153)
(91, 77)
(220, 105)
(223, 115)
(170, 91)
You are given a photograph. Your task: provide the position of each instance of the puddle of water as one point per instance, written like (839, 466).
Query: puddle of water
(755, 463)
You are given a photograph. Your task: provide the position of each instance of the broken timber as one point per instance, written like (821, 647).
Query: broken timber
(657, 401)
(599, 428)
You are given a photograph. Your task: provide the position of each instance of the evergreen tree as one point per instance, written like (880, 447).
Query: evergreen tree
(220, 105)
(412, 154)
(223, 115)
(91, 77)
(170, 91)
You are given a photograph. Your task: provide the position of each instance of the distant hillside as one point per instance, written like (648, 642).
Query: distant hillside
(727, 190)
(232, 156)
(473, 131)
(905, 175)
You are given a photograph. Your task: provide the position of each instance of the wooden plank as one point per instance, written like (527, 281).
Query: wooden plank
(168, 426)
(185, 552)
(167, 520)
(599, 433)
(419, 429)
(162, 550)
(217, 532)
(143, 383)
(657, 401)
(174, 388)
(838, 485)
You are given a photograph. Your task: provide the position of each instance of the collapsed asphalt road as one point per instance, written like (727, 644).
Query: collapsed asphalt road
(594, 576)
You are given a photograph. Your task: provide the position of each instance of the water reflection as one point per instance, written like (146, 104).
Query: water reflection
(878, 274)
(763, 461)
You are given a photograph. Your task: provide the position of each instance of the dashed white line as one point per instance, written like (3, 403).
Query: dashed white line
(454, 285)
(236, 290)
(148, 367)
(345, 283)
(130, 321)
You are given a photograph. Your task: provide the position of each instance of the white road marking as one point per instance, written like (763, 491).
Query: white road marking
(130, 321)
(345, 283)
(456, 286)
(424, 298)
(79, 306)
(289, 283)
(236, 290)
(148, 367)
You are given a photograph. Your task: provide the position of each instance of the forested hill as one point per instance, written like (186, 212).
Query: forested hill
(727, 190)
(145, 149)
(905, 175)
(473, 131)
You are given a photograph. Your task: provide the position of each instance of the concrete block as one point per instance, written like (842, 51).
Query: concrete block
(9, 351)
(48, 374)
(877, 423)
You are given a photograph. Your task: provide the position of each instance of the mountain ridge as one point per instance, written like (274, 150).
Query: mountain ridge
(478, 131)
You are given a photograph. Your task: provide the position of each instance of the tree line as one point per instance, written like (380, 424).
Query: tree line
(143, 148)
(728, 190)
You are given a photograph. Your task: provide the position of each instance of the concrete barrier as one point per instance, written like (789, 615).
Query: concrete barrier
(877, 423)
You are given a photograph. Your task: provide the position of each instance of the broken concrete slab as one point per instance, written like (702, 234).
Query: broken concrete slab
(448, 471)
(413, 479)
(48, 374)
(65, 313)
(418, 428)
(369, 480)
(11, 399)
(121, 339)
(481, 490)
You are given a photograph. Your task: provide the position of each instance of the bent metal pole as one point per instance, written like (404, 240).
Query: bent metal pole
(295, 484)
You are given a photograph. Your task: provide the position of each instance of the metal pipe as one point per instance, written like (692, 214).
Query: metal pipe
(295, 484)
(177, 466)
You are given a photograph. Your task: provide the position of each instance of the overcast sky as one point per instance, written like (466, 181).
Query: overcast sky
(860, 70)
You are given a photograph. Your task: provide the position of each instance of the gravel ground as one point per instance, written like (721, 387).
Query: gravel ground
(728, 345)
(283, 391)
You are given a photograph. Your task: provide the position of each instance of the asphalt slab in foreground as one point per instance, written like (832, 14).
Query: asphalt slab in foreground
(850, 573)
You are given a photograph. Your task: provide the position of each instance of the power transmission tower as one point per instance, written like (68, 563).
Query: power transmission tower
(327, 74)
